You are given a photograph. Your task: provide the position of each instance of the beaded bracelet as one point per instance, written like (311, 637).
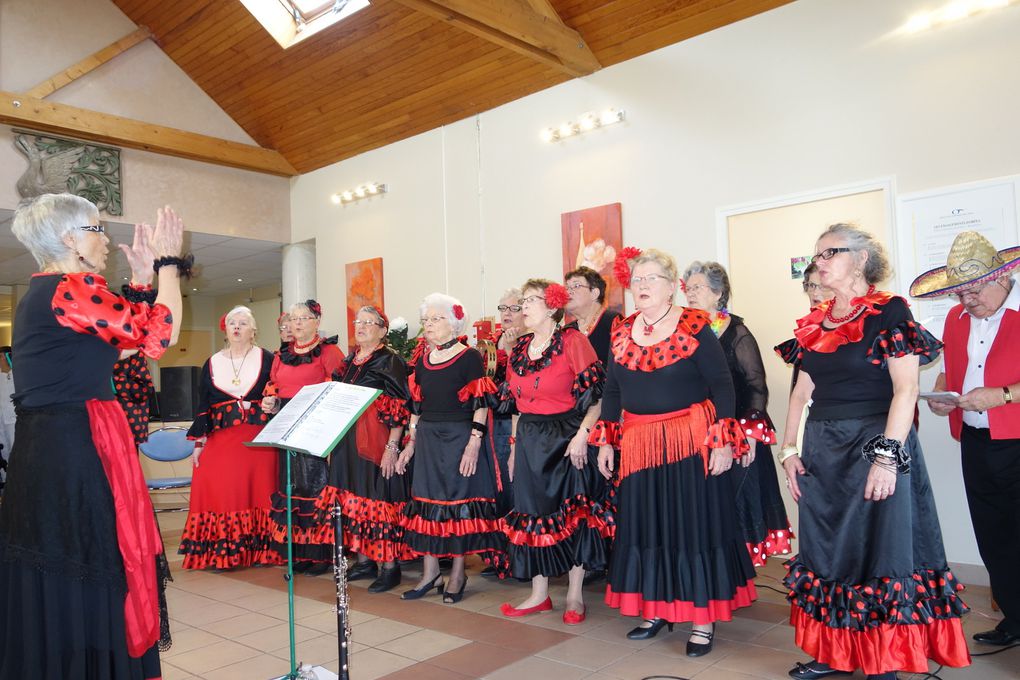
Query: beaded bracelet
(183, 264)
(888, 454)
(392, 446)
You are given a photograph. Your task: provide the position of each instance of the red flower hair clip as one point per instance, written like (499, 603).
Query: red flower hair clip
(683, 286)
(223, 323)
(314, 307)
(621, 266)
(458, 312)
(556, 296)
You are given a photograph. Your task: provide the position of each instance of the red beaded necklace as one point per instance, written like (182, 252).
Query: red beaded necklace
(835, 321)
(298, 345)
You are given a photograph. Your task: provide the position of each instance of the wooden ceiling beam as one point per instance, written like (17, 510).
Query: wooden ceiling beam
(89, 63)
(518, 26)
(36, 114)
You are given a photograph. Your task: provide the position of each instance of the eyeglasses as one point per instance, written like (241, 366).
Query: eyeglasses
(828, 254)
(974, 292)
(650, 279)
(426, 320)
(97, 228)
(812, 287)
(360, 322)
(696, 287)
(531, 299)
(303, 319)
(577, 286)
(284, 328)
(509, 308)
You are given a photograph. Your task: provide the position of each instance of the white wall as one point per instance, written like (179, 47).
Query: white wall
(813, 94)
(40, 38)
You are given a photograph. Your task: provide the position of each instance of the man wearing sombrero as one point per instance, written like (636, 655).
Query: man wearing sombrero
(982, 355)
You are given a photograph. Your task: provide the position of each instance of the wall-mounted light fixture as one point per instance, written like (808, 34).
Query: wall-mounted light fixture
(951, 12)
(358, 193)
(585, 123)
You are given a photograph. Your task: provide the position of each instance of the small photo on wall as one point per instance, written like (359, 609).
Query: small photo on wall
(798, 265)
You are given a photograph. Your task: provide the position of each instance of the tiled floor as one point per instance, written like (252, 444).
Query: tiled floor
(232, 626)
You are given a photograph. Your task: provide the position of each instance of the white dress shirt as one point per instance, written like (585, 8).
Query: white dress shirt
(979, 344)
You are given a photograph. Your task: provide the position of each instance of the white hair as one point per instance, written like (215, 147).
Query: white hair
(42, 223)
(243, 311)
(444, 303)
(512, 293)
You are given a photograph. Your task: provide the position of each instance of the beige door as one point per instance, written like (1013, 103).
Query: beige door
(761, 244)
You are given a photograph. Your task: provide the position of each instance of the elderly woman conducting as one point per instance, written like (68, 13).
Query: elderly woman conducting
(362, 469)
(870, 589)
(679, 553)
(759, 502)
(452, 511)
(79, 592)
(228, 517)
(308, 359)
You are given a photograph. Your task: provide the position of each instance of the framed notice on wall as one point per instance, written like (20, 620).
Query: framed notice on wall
(928, 221)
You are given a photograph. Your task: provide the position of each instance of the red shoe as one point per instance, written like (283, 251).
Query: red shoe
(572, 618)
(510, 610)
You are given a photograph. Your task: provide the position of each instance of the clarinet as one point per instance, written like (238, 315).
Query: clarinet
(343, 619)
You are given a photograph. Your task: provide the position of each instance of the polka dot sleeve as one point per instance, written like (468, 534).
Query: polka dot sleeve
(83, 303)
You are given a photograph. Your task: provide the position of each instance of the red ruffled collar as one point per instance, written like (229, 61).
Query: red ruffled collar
(680, 345)
(811, 335)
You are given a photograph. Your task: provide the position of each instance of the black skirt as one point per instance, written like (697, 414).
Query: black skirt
(450, 515)
(311, 531)
(559, 519)
(760, 508)
(870, 588)
(62, 583)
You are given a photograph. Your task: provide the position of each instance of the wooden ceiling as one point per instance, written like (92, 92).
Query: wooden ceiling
(397, 68)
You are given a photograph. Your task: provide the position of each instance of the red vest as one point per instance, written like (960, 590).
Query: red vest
(1002, 368)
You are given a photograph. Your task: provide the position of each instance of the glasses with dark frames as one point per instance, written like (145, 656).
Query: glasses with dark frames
(828, 254)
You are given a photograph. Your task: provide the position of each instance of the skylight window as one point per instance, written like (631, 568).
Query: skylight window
(291, 21)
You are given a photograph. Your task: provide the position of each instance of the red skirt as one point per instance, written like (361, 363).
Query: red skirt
(228, 520)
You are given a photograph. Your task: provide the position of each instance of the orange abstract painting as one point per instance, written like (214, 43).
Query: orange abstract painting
(592, 238)
(364, 287)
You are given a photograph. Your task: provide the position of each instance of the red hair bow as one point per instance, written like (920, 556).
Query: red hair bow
(556, 296)
(458, 312)
(621, 266)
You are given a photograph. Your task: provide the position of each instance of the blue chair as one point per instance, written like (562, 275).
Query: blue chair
(168, 445)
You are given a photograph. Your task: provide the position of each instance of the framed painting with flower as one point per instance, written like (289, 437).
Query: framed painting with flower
(591, 238)
(364, 287)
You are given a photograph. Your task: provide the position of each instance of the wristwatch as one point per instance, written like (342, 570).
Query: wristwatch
(1007, 395)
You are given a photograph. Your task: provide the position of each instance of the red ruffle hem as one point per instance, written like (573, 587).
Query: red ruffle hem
(777, 542)
(884, 648)
(454, 527)
(371, 527)
(632, 604)
(228, 540)
(542, 532)
(137, 535)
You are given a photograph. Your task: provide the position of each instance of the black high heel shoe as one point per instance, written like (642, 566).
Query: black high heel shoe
(694, 649)
(642, 633)
(419, 593)
(454, 598)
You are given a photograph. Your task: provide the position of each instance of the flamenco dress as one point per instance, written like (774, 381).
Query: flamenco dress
(679, 553)
(79, 589)
(559, 519)
(312, 531)
(228, 522)
(371, 505)
(450, 515)
(870, 589)
(760, 505)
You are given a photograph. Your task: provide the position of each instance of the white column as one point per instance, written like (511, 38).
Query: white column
(298, 273)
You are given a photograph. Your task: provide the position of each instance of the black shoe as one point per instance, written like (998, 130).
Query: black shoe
(694, 649)
(388, 579)
(301, 566)
(647, 633)
(419, 593)
(999, 638)
(366, 569)
(594, 576)
(490, 572)
(318, 568)
(891, 675)
(814, 669)
(454, 598)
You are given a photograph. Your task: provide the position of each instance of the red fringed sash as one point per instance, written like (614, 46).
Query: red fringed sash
(664, 438)
(137, 535)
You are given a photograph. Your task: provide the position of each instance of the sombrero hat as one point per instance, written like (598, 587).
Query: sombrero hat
(972, 259)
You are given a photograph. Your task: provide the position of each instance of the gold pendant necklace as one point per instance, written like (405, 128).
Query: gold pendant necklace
(237, 371)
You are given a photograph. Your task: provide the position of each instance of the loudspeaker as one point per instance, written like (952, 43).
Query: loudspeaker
(178, 394)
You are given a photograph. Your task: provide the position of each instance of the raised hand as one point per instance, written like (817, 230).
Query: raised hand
(139, 255)
(167, 237)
